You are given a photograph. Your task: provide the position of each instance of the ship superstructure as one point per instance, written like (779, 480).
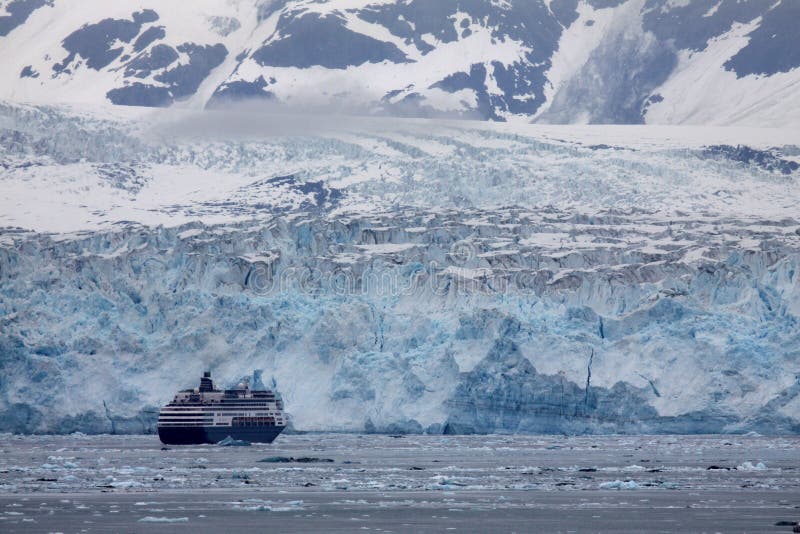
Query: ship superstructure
(209, 415)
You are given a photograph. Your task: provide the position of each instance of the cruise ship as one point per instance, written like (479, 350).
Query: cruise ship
(208, 415)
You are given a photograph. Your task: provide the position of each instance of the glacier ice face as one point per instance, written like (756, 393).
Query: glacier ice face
(425, 277)
(678, 345)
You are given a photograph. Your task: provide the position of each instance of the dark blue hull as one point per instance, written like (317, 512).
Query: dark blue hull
(205, 434)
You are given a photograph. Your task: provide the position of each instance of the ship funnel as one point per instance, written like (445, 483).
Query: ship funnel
(206, 384)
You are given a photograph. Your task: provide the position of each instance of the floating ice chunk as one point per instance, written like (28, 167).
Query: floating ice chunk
(748, 466)
(68, 478)
(126, 484)
(634, 468)
(267, 506)
(283, 508)
(152, 519)
(620, 485)
(230, 442)
(341, 483)
(445, 483)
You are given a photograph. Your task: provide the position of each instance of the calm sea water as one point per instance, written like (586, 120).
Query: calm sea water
(347, 483)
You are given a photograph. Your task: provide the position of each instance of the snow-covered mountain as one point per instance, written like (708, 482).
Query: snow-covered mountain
(713, 62)
(399, 275)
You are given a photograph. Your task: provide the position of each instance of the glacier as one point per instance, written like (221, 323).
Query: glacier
(398, 276)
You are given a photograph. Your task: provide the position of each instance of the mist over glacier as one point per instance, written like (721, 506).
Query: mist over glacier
(400, 276)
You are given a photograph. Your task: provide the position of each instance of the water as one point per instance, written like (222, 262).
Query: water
(398, 484)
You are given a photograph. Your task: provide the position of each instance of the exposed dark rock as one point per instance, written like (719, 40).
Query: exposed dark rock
(239, 91)
(149, 36)
(28, 72)
(312, 39)
(18, 12)
(181, 81)
(94, 42)
(764, 159)
(139, 94)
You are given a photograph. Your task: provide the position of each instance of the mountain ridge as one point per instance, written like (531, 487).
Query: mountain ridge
(556, 61)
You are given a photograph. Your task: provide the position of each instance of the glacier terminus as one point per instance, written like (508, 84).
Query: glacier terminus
(399, 275)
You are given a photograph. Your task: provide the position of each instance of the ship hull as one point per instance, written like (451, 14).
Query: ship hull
(199, 434)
